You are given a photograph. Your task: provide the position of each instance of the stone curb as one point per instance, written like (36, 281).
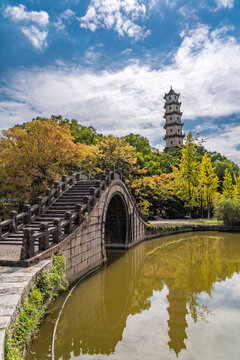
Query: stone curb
(15, 283)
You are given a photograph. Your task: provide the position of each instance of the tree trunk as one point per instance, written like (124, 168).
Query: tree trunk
(209, 213)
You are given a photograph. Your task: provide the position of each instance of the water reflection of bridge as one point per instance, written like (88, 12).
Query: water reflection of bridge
(95, 317)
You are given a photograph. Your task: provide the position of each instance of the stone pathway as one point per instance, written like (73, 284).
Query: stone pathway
(15, 282)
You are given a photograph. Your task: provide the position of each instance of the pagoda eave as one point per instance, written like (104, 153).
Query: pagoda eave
(173, 112)
(172, 103)
(174, 135)
(173, 123)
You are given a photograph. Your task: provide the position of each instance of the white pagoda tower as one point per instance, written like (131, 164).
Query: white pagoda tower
(174, 135)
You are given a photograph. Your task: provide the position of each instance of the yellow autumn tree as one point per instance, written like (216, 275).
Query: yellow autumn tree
(112, 152)
(33, 156)
(208, 183)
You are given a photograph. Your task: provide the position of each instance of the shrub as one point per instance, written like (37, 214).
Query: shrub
(33, 308)
(228, 210)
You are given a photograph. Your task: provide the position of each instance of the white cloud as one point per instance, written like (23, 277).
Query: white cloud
(18, 13)
(117, 14)
(36, 37)
(37, 33)
(205, 69)
(225, 4)
(67, 14)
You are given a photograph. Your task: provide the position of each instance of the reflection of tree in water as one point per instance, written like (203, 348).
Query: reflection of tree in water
(188, 268)
(99, 309)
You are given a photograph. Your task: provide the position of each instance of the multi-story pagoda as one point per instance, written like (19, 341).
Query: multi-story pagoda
(174, 135)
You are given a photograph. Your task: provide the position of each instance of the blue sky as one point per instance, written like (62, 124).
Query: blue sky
(107, 63)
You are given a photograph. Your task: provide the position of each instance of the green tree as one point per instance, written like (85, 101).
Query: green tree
(228, 190)
(186, 174)
(236, 188)
(208, 183)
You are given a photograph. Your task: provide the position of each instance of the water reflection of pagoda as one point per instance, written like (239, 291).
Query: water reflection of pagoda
(101, 305)
(177, 319)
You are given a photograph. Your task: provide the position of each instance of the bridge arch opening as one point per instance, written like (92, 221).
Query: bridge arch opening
(116, 223)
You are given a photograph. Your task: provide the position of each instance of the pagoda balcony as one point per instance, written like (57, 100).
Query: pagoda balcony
(173, 123)
(172, 113)
(174, 135)
(172, 102)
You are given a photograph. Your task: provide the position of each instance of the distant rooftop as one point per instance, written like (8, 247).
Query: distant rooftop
(171, 92)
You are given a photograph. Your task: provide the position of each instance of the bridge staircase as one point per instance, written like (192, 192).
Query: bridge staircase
(52, 217)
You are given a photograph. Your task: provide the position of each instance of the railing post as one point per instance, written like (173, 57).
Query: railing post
(44, 239)
(39, 201)
(71, 174)
(57, 187)
(13, 227)
(28, 248)
(69, 226)
(27, 210)
(78, 175)
(0, 230)
(86, 201)
(49, 194)
(78, 210)
(64, 179)
(58, 232)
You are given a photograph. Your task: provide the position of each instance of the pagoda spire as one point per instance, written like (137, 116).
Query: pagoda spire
(173, 125)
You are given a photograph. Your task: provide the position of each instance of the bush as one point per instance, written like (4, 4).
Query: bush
(228, 210)
(33, 308)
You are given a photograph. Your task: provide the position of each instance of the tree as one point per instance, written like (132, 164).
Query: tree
(208, 183)
(228, 190)
(186, 174)
(113, 152)
(82, 134)
(33, 156)
(236, 188)
(156, 196)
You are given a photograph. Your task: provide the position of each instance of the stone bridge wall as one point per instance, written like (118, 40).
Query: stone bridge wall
(85, 248)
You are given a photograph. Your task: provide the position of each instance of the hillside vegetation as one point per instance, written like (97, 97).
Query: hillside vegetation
(182, 181)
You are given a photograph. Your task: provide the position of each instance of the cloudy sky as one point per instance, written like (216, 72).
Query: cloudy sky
(108, 63)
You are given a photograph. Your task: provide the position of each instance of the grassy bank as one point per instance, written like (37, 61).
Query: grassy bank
(34, 307)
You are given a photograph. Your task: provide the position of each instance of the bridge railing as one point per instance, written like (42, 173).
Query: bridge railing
(35, 240)
(17, 220)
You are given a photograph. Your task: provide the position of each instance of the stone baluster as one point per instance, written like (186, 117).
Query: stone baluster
(28, 248)
(92, 193)
(65, 180)
(44, 239)
(78, 210)
(49, 194)
(78, 175)
(69, 227)
(58, 190)
(98, 186)
(13, 227)
(71, 174)
(86, 201)
(27, 210)
(39, 201)
(58, 232)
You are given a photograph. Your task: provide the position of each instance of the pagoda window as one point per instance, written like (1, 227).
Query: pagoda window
(170, 118)
(171, 130)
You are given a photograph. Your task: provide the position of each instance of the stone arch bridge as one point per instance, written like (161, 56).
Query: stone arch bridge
(81, 217)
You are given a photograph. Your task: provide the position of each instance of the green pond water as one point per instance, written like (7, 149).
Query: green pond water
(171, 298)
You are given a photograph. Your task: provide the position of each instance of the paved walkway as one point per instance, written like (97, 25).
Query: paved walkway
(165, 222)
(15, 282)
